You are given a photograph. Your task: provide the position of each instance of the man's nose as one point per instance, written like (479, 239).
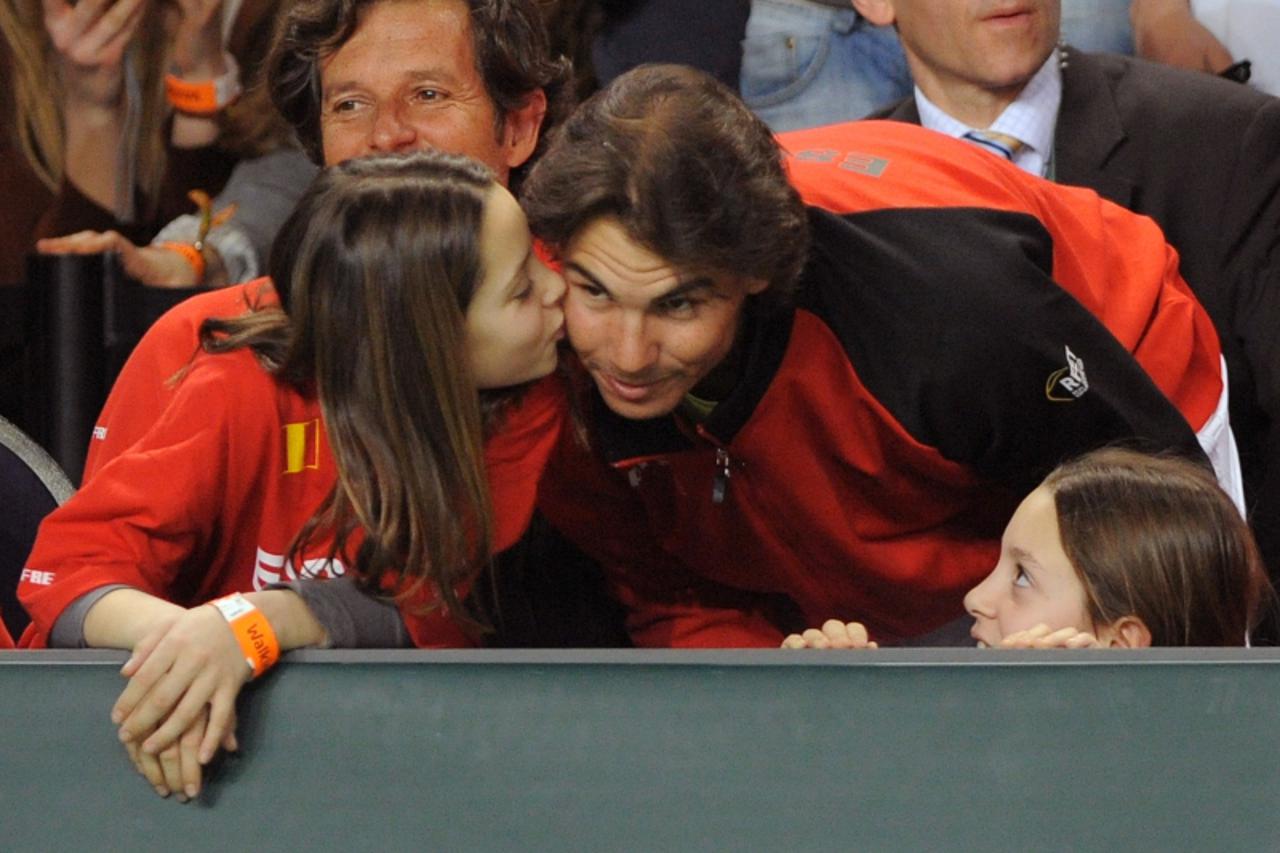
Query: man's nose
(390, 131)
(633, 349)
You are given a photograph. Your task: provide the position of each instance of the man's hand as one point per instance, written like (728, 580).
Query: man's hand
(1041, 637)
(833, 634)
(1166, 31)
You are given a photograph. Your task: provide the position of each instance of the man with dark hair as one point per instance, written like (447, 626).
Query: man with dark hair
(471, 76)
(772, 447)
(356, 77)
(1198, 154)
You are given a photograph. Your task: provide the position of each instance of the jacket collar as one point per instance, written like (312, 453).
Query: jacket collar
(1089, 129)
(625, 441)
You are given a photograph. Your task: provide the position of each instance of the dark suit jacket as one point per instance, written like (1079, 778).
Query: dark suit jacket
(1201, 156)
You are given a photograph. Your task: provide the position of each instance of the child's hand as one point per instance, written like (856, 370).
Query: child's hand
(834, 634)
(185, 674)
(1040, 637)
(177, 768)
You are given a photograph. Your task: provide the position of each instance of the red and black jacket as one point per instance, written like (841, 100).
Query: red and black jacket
(960, 329)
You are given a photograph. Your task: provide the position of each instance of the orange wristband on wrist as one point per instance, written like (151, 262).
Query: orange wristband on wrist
(191, 254)
(253, 632)
(206, 97)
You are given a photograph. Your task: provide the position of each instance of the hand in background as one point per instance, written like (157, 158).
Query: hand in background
(90, 37)
(151, 265)
(1166, 31)
(834, 634)
(197, 39)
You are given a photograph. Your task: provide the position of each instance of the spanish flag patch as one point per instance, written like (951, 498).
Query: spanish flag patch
(301, 446)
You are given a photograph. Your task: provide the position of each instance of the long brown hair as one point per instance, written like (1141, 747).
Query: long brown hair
(1157, 538)
(376, 268)
(36, 94)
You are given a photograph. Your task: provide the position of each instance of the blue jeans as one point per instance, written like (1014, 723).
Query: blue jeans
(805, 64)
(1097, 25)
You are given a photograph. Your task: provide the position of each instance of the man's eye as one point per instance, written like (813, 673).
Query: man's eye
(428, 95)
(679, 305)
(344, 106)
(590, 290)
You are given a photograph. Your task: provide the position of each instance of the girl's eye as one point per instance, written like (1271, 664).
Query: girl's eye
(526, 291)
(1021, 578)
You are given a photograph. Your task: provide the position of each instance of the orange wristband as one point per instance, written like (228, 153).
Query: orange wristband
(206, 97)
(253, 632)
(191, 254)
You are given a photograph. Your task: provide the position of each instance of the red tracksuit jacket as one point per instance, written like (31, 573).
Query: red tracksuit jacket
(960, 329)
(208, 500)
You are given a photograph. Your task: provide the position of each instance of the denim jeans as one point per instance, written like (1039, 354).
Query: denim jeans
(1097, 25)
(806, 64)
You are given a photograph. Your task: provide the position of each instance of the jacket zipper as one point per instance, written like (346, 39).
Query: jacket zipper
(720, 482)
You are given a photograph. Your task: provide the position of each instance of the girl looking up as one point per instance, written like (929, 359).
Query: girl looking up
(1115, 548)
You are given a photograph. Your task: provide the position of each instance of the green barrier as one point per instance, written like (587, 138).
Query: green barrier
(635, 750)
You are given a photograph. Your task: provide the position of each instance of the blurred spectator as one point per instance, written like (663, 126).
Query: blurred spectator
(1167, 31)
(258, 197)
(1250, 30)
(812, 62)
(185, 252)
(90, 141)
(604, 38)
(1097, 25)
(1194, 152)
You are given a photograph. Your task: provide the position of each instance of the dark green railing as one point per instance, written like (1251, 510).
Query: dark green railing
(631, 750)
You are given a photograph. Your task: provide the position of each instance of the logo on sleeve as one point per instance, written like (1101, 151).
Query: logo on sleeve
(36, 577)
(1067, 383)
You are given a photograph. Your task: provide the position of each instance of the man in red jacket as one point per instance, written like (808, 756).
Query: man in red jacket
(804, 412)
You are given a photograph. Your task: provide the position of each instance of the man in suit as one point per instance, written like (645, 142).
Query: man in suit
(1198, 154)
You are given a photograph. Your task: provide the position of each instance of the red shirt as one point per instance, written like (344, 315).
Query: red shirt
(143, 390)
(207, 501)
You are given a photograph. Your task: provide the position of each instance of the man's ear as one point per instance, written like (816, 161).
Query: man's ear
(878, 12)
(1127, 632)
(756, 285)
(521, 128)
